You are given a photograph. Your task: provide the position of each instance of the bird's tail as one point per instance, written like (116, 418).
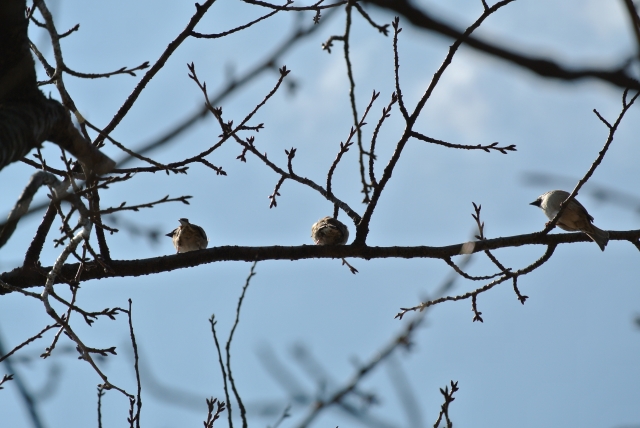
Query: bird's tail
(599, 236)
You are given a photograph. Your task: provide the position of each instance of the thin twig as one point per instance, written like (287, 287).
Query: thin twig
(243, 411)
(386, 112)
(222, 368)
(236, 29)
(101, 392)
(213, 413)
(487, 148)
(123, 206)
(444, 409)
(28, 341)
(135, 366)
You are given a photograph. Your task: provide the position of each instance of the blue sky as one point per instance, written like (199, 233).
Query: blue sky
(569, 355)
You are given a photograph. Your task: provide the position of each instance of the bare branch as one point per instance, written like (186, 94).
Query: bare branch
(22, 205)
(396, 67)
(243, 411)
(384, 29)
(386, 112)
(276, 192)
(241, 27)
(448, 396)
(213, 413)
(542, 66)
(362, 230)
(487, 148)
(22, 278)
(135, 367)
(315, 7)
(267, 65)
(473, 294)
(122, 70)
(123, 206)
(635, 21)
(626, 105)
(201, 9)
(4, 379)
(28, 341)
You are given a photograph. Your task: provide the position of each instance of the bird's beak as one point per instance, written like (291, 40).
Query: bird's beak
(535, 203)
(170, 234)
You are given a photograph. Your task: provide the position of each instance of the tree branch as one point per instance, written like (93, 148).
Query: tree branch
(23, 278)
(544, 67)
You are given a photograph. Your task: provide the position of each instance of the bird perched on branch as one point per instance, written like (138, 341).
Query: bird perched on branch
(188, 237)
(574, 217)
(329, 231)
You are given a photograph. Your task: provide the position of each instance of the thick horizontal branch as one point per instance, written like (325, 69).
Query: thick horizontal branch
(23, 278)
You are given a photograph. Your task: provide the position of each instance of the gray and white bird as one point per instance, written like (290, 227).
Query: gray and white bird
(329, 231)
(574, 217)
(188, 237)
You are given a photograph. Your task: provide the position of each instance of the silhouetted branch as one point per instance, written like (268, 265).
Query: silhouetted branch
(635, 22)
(467, 276)
(201, 9)
(213, 413)
(123, 206)
(362, 229)
(487, 148)
(122, 70)
(473, 294)
(235, 84)
(448, 399)
(626, 105)
(4, 379)
(134, 345)
(383, 29)
(386, 112)
(100, 394)
(225, 382)
(248, 145)
(239, 28)
(37, 243)
(243, 411)
(545, 67)
(37, 180)
(28, 341)
(316, 7)
(22, 278)
(396, 68)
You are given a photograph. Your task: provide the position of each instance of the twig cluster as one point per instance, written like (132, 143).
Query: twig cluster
(444, 409)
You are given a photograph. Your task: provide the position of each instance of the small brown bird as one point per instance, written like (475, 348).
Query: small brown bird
(574, 217)
(329, 231)
(188, 237)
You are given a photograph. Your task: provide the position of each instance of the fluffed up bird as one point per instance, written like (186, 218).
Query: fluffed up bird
(329, 231)
(188, 237)
(574, 217)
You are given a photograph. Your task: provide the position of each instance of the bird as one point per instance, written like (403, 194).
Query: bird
(188, 237)
(574, 217)
(329, 231)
